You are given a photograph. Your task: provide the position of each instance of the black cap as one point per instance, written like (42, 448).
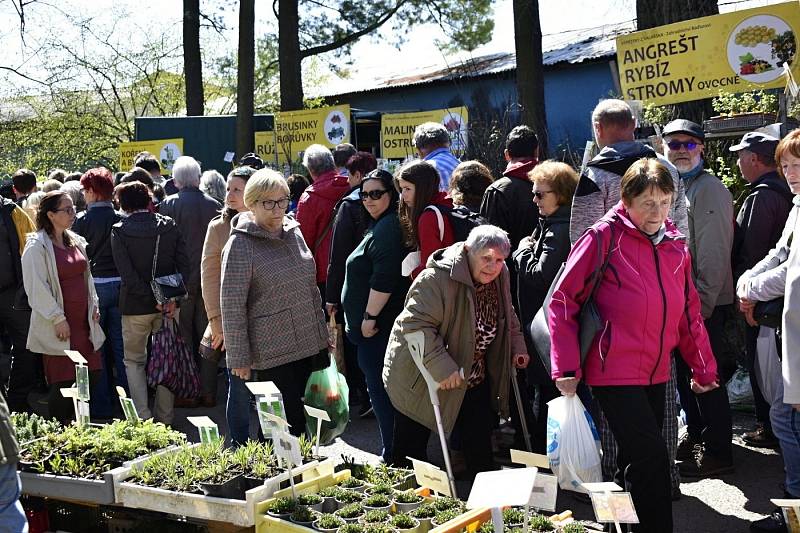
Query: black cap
(686, 127)
(757, 142)
(252, 160)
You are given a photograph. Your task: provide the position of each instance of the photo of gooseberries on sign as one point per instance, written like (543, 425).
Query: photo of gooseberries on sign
(759, 45)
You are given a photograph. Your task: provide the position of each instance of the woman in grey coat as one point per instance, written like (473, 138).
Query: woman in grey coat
(271, 308)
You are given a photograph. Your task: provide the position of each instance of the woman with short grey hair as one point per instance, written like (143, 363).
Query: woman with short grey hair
(186, 172)
(462, 303)
(213, 184)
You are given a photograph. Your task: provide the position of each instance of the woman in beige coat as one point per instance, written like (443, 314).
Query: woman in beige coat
(462, 303)
(64, 305)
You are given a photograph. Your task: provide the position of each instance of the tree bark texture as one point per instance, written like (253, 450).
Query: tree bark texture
(246, 76)
(192, 61)
(289, 55)
(530, 70)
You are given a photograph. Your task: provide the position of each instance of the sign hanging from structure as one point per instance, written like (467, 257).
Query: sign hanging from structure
(165, 150)
(297, 130)
(733, 52)
(397, 130)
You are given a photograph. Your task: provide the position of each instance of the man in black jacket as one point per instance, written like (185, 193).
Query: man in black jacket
(758, 227)
(94, 225)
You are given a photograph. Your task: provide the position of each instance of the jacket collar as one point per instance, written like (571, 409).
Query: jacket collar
(771, 175)
(519, 169)
(619, 215)
(437, 152)
(562, 214)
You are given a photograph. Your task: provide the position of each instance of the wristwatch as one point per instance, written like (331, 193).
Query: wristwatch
(368, 316)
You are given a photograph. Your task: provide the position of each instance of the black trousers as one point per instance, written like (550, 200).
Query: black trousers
(708, 415)
(26, 367)
(291, 380)
(475, 422)
(635, 415)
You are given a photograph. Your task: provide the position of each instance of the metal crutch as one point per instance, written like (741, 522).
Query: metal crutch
(416, 345)
(522, 416)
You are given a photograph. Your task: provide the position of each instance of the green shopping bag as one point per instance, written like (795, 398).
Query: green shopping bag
(327, 389)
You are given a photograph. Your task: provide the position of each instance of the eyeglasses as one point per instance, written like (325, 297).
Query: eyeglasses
(67, 210)
(676, 145)
(540, 194)
(269, 205)
(373, 195)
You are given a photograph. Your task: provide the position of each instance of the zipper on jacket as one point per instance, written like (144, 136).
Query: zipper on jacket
(663, 314)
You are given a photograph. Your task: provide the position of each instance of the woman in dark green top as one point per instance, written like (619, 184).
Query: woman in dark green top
(374, 292)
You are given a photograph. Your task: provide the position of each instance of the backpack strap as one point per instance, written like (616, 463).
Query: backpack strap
(439, 220)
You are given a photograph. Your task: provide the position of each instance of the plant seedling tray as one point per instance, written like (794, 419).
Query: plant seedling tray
(231, 511)
(97, 491)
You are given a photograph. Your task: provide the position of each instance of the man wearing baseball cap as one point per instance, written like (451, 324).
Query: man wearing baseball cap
(758, 227)
(706, 448)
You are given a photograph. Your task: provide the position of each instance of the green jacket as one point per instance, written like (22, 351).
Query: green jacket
(441, 303)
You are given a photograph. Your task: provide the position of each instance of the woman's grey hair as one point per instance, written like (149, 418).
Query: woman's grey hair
(73, 189)
(488, 236)
(430, 134)
(213, 184)
(186, 172)
(318, 159)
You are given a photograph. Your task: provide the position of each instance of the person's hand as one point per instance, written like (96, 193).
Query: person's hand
(96, 315)
(525, 242)
(521, 360)
(749, 318)
(168, 308)
(746, 305)
(62, 330)
(453, 381)
(331, 309)
(368, 328)
(567, 386)
(701, 389)
(243, 373)
(217, 337)
(796, 406)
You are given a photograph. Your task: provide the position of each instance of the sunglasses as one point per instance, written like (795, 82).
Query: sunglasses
(540, 194)
(676, 145)
(372, 195)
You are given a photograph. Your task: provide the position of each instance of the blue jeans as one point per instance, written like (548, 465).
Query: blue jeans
(103, 394)
(12, 516)
(371, 354)
(237, 410)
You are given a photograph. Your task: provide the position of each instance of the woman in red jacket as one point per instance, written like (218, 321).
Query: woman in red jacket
(649, 307)
(425, 230)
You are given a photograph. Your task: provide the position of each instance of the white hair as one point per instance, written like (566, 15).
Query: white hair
(318, 159)
(488, 236)
(430, 134)
(186, 172)
(213, 184)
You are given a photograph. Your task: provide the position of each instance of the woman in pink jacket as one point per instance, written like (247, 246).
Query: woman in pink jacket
(649, 307)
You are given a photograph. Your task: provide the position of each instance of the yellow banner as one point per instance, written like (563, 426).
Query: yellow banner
(694, 59)
(165, 150)
(397, 130)
(297, 130)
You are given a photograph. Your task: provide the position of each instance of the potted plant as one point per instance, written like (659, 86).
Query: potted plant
(220, 478)
(328, 523)
(344, 497)
(573, 527)
(312, 501)
(375, 516)
(350, 512)
(379, 528)
(282, 508)
(351, 528)
(353, 483)
(445, 503)
(443, 517)
(303, 516)
(328, 495)
(424, 513)
(377, 501)
(404, 523)
(407, 501)
(381, 488)
(538, 522)
(513, 517)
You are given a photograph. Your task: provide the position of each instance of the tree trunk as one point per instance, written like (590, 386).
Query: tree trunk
(652, 13)
(530, 70)
(192, 62)
(289, 55)
(246, 76)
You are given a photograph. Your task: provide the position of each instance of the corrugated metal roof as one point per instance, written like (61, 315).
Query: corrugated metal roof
(568, 47)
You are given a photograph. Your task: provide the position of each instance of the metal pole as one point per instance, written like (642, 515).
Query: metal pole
(520, 409)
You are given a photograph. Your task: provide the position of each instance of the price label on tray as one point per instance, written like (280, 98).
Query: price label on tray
(431, 477)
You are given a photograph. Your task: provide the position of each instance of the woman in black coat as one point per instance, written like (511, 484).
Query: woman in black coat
(538, 259)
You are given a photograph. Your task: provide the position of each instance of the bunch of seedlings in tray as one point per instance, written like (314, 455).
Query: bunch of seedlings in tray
(381, 474)
(30, 426)
(89, 451)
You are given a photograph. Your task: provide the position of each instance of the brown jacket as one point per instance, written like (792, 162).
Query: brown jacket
(441, 303)
(211, 264)
(271, 306)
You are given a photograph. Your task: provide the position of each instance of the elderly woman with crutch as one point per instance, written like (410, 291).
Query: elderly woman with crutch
(462, 304)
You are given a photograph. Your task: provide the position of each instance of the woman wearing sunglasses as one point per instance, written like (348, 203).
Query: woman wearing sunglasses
(374, 292)
(272, 319)
(64, 306)
(538, 259)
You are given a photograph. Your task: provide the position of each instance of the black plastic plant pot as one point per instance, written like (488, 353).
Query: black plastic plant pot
(251, 482)
(232, 488)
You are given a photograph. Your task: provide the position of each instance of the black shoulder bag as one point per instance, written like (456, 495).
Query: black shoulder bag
(167, 288)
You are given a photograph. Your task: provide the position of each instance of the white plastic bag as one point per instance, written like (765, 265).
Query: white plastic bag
(768, 365)
(739, 392)
(573, 444)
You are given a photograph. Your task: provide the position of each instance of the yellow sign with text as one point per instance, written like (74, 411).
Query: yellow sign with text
(734, 52)
(297, 130)
(397, 130)
(165, 150)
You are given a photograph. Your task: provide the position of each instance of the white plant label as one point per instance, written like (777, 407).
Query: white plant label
(530, 459)
(76, 357)
(82, 413)
(209, 432)
(614, 507)
(502, 488)
(263, 388)
(321, 415)
(269, 411)
(82, 382)
(545, 492)
(431, 477)
(287, 447)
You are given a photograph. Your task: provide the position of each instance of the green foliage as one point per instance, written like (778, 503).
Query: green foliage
(378, 528)
(513, 515)
(426, 510)
(283, 505)
(351, 483)
(351, 510)
(446, 503)
(445, 516)
(539, 522)
(375, 516)
(330, 492)
(349, 496)
(403, 521)
(29, 426)
(351, 528)
(750, 102)
(381, 488)
(303, 514)
(309, 499)
(573, 527)
(329, 521)
(660, 115)
(376, 500)
(407, 496)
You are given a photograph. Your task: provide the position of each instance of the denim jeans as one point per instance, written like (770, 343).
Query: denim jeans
(12, 516)
(104, 394)
(237, 410)
(371, 353)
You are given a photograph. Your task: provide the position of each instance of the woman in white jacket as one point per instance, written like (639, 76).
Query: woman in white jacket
(64, 305)
(778, 276)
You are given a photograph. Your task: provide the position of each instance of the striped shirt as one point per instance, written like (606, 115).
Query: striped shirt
(445, 162)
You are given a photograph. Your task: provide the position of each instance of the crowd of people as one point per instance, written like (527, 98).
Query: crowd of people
(635, 262)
